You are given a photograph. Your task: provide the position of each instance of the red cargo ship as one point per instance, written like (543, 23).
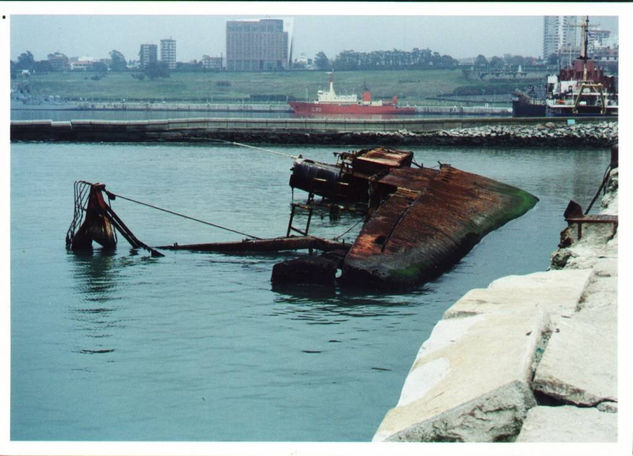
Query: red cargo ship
(331, 103)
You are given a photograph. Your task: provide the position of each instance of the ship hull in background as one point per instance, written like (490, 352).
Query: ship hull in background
(316, 109)
(530, 108)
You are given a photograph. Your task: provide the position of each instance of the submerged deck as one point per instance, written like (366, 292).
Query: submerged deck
(263, 245)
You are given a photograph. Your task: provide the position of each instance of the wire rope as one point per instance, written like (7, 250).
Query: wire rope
(215, 225)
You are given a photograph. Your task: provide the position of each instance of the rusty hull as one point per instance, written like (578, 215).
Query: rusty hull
(429, 219)
(96, 225)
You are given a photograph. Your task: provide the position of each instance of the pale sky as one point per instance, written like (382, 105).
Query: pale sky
(77, 32)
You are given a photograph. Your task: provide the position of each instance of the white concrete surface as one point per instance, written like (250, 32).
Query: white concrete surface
(558, 292)
(568, 424)
(470, 381)
(580, 363)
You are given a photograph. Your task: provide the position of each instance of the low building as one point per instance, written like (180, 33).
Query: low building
(211, 63)
(58, 61)
(81, 63)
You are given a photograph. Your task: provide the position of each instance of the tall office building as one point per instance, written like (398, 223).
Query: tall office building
(561, 36)
(148, 54)
(257, 45)
(168, 53)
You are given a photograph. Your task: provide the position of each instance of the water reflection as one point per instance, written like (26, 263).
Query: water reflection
(94, 273)
(96, 277)
(305, 291)
(326, 306)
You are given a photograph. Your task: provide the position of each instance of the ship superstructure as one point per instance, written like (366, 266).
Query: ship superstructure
(582, 88)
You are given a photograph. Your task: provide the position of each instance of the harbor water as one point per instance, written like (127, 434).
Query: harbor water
(198, 346)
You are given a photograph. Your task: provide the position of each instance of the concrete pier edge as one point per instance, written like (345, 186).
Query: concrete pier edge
(530, 358)
(481, 131)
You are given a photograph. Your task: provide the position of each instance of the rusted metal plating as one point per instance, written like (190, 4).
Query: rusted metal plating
(422, 220)
(429, 219)
(97, 221)
(574, 216)
(351, 178)
(90, 206)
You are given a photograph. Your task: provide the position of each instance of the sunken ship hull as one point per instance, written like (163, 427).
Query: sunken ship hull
(431, 220)
(422, 220)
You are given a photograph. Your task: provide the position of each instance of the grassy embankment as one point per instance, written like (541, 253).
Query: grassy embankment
(412, 87)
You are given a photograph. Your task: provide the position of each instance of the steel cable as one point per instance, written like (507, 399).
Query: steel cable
(113, 195)
(292, 157)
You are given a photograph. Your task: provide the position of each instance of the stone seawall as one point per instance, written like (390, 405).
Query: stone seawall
(392, 132)
(530, 358)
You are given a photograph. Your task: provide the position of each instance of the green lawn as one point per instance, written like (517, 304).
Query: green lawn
(412, 86)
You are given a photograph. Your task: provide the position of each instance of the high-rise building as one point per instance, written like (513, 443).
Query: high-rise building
(168, 53)
(148, 54)
(561, 36)
(260, 45)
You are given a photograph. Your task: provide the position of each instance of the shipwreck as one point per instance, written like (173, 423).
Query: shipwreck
(417, 221)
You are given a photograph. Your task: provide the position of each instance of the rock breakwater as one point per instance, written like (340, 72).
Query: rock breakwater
(549, 134)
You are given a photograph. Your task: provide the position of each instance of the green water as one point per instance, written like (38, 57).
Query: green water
(198, 347)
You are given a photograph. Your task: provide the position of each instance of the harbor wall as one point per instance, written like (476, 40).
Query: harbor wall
(520, 132)
(530, 358)
(244, 107)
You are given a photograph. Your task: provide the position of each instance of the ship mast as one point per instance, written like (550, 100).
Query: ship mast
(583, 47)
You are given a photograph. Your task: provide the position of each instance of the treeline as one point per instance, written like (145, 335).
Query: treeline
(386, 60)
(349, 60)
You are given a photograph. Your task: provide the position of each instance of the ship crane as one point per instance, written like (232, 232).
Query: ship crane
(594, 89)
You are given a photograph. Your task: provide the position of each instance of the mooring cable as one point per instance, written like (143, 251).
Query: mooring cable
(292, 157)
(113, 196)
(605, 178)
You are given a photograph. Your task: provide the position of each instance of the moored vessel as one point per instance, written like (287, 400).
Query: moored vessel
(581, 89)
(329, 102)
(528, 104)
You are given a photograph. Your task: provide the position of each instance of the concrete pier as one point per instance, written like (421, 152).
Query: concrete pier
(530, 358)
(478, 131)
(246, 107)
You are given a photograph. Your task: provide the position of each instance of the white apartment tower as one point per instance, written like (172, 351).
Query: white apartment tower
(561, 36)
(168, 52)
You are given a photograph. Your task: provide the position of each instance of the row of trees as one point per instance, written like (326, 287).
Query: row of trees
(415, 59)
(346, 60)
(385, 60)
(59, 62)
(116, 62)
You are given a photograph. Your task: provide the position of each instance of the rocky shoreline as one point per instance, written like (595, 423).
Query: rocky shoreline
(531, 358)
(498, 133)
(547, 134)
